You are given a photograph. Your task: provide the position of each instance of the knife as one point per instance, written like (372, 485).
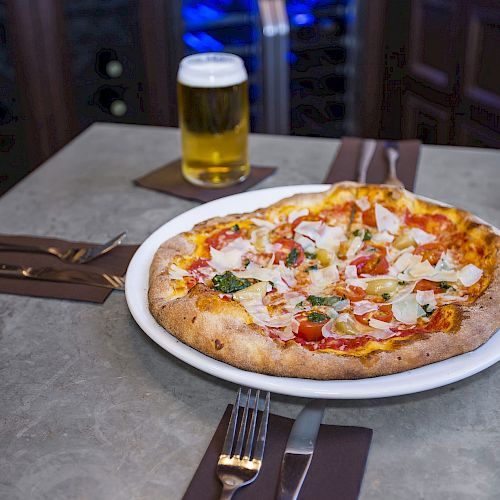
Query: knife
(299, 449)
(365, 158)
(62, 275)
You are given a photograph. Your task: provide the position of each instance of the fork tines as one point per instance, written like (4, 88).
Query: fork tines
(253, 450)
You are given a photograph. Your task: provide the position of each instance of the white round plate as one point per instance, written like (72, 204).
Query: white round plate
(419, 379)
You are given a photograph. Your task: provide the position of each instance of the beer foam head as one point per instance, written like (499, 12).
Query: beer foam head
(210, 70)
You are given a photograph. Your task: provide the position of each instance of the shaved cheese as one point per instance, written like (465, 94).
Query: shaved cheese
(421, 237)
(333, 313)
(304, 242)
(426, 297)
(260, 239)
(470, 274)
(368, 277)
(443, 276)
(407, 260)
(177, 273)
(393, 272)
(351, 272)
(326, 237)
(293, 298)
(310, 228)
(330, 238)
(406, 310)
(257, 291)
(421, 312)
(386, 220)
(263, 223)
(380, 334)
(380, 325)
(355, 245)
(323, 277)
(383, 237)
(260, 314)
(448, 297)
(230, 256)
(393, 253)
(293, 216)
(341, 305)
(285, 334)
(257, 272)
(364, 306)
(422, 269)
(403, 293)
(445, 262)
(327, 331)
(363, 203)
(360, 283)
(287, 274)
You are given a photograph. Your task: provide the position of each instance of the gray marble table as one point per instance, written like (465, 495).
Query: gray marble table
(90, 408)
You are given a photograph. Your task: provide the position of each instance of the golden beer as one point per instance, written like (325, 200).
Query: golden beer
(212, 93)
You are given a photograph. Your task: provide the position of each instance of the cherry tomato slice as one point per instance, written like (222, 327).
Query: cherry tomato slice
(309, 330)
(383, 313)
(221, 238)
(369, 217)
(353, 293)
(287, 246)
(430, 251)
(373, 264)
(424, 285)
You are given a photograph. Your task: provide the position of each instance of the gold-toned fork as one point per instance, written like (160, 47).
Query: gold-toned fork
(76, 255)
(238, 466)
(102, 280)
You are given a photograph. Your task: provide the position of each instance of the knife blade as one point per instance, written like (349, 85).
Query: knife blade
(299, 449)
(365, 158)
(61, 275)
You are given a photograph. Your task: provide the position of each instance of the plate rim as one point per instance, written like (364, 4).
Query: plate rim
(412, 381)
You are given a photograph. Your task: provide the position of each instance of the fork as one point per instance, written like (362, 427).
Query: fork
(238, 467)
(75, 276)
(74, 255)
(392, 154)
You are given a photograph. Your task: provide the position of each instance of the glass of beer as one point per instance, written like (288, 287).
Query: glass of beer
(212, 92)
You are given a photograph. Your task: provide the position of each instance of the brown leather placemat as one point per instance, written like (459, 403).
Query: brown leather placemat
(344, 166)
(336, 470)
(114, 262)
(168, 179)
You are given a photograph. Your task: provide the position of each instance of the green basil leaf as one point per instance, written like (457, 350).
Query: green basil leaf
(229, 283)
(316, 317)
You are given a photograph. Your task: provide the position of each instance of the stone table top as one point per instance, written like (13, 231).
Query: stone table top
(91, 408)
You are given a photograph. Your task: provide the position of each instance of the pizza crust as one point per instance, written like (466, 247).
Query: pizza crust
(224, 331)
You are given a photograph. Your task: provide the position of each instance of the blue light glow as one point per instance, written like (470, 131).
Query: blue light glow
(292, 58)
(303, 19)
(202, 42)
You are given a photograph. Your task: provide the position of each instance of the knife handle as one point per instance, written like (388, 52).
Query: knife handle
(9, 270)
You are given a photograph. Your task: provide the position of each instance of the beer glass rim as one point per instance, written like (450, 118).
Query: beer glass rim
(211, 70)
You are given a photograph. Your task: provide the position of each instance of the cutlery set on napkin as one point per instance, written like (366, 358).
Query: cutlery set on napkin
(273, 457)
(47, 267)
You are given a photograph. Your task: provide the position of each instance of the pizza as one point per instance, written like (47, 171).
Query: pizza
(357, 281)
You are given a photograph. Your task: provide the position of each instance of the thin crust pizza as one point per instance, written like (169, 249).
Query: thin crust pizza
(357, 281)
